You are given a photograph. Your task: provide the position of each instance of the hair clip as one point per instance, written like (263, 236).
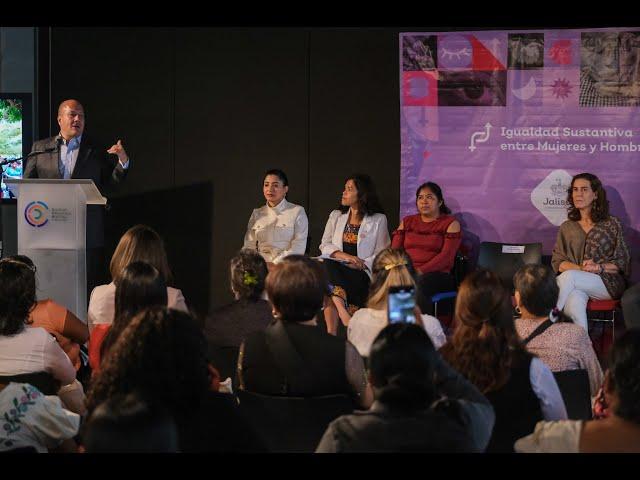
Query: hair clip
(393, 265)
(249, 279)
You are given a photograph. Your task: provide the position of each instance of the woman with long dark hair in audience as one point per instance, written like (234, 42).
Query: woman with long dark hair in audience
(280, 227)
(617, 433)
(140, 286)
(249, 312)
(138, 244)
(353, 236)
(324, 364)
(391, 268)
(421, 404)
(162, 355)
(561, 345)
(486, 349)
(431, 238)
(590, 253)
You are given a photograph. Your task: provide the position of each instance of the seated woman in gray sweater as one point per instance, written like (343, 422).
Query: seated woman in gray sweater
(590, 255)
(421, 403)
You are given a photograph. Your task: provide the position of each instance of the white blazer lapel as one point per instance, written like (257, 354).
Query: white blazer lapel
(366, 237)
(363, 229)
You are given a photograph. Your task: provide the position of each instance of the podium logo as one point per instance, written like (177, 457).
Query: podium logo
(37, 214)
(550, 196)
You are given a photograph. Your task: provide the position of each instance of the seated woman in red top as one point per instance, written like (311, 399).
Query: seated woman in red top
(431, 239)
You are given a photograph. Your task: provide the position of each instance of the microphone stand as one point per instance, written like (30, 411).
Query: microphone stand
(28, 156)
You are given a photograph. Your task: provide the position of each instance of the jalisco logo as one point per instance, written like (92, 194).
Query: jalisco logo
(559, 189)
(37, 214)
(550, 196)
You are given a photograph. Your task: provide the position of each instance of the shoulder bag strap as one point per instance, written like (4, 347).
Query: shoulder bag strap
(541, 328)
(287, 358)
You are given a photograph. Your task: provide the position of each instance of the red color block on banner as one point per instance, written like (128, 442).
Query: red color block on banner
(420, 88)
(483, 59)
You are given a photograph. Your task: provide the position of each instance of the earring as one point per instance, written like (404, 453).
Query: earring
(518, 311)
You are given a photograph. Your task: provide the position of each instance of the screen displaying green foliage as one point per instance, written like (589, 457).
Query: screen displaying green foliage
(10, 138)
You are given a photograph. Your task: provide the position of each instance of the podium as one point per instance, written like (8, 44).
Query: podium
(52, 221)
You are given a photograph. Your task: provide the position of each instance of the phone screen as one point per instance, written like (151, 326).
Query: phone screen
(402, 302)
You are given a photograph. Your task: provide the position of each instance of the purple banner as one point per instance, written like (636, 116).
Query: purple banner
(502, 120)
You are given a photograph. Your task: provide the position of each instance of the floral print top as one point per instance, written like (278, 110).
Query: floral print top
(31, 419)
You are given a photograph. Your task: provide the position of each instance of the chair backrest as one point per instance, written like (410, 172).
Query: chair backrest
(574, 387)
(225, 360)
(307, 248)
(461, 267)
(29, 449)
(292, 424)
(43, 381)
(505, 259)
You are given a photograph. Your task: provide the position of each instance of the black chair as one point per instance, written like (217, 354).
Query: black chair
(574, 387)
(43, 381)
(307, 248)
(20, 450)
(225, 360)
(505, 259)
(292, 424)
(461, 267)
(459, 271)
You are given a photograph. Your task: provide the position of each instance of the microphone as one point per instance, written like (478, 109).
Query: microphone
(54, 148)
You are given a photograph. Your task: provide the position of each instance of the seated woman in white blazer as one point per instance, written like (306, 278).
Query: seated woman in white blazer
(280, 227)
(353, 236)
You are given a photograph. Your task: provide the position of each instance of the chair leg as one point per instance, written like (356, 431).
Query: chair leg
(435, 309)
(613, 327)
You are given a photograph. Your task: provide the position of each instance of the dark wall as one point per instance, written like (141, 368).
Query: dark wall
(354, 119)
(240, 108)
(222, 105)
(190, 271)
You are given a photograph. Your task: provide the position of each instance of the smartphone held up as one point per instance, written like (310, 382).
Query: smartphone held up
(401, 304)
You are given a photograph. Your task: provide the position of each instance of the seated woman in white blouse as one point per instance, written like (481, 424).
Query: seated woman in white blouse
(138, 244)
(391, 268)
(354, 234)
(30, 350)
(619, 431)
(280, 227)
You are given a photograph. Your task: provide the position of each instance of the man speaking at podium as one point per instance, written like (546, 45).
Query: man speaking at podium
(70, 154)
